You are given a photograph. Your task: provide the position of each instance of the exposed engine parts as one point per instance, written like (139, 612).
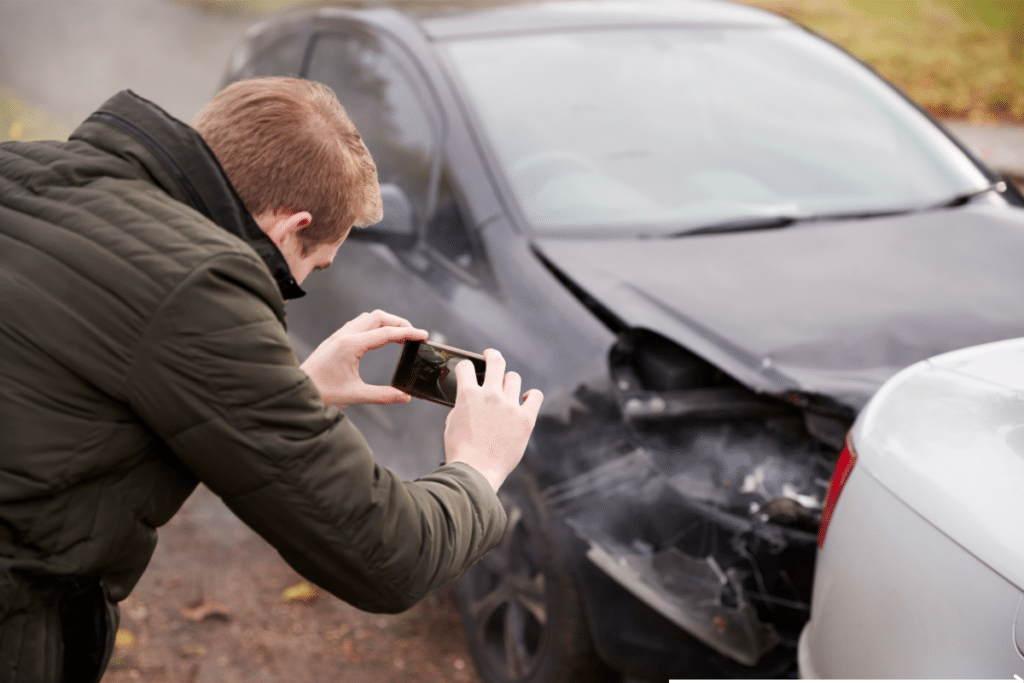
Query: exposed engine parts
(697, 495)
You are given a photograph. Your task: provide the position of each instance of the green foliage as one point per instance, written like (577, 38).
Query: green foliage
(20, 122)
(956, 58)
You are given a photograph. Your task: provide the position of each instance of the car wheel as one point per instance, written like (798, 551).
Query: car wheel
(522, 616)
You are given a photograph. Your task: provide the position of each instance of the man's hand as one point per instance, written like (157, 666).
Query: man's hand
(488, 428)
(334, 365)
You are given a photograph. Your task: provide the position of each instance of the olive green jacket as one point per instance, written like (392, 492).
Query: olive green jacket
(142, 350)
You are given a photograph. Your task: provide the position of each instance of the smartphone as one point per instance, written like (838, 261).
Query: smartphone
(427, 370)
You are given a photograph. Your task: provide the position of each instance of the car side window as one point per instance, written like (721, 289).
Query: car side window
(381, 101)
(446, 230)
(398, 130)
(283, 57)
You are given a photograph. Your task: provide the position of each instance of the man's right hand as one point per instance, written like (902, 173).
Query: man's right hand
(488, 428)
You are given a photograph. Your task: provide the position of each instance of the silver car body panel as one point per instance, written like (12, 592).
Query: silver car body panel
(922, 569)
(894, 597)
(946, 437)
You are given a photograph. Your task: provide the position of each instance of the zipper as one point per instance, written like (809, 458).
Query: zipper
(169, 164)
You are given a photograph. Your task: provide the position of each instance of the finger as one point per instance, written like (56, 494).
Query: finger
(365, 322)
(374, 339)
(531, 403)
(381, 318)
(495, 369)
(465, 375)
(512, 385)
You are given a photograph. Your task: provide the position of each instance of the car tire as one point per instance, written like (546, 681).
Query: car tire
(522, 615)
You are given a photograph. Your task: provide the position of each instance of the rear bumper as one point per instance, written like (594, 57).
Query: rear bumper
(803, 660)
(896, 598)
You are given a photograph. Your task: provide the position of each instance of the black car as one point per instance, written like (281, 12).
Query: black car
(708, 236)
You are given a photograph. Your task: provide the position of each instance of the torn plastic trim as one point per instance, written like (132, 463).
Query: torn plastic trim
(688, 592)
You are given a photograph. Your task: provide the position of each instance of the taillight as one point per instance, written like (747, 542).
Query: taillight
(847, 459)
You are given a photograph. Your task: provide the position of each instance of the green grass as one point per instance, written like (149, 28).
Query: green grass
(957, 59)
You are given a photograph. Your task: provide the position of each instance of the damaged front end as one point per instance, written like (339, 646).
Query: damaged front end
(696, 495)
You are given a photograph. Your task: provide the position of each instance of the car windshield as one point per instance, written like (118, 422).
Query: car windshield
(658, 131)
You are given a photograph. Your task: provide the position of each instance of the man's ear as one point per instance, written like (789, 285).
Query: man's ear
(282, 226)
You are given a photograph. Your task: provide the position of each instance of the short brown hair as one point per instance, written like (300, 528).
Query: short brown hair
(287, 143)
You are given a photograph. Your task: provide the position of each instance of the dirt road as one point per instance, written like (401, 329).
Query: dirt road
(213, 607)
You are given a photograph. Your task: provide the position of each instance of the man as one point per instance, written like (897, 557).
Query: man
(143, 272)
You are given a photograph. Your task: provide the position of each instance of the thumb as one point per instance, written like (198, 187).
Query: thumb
(383, 395)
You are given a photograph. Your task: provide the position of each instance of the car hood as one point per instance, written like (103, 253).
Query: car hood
(945, 436)
(832, 308)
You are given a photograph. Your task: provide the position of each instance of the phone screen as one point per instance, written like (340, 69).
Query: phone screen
(427, 370)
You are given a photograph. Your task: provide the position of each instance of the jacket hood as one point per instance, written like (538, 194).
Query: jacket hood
(832, 308)
(184, 166)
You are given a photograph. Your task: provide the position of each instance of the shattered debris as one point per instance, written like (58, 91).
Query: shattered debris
(710, 523)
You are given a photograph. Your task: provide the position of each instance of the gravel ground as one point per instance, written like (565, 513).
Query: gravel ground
(212, 607)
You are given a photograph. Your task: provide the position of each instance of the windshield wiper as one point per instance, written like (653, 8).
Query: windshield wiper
(964, 197)
(740, 224)
(782, 221)
(785, 220)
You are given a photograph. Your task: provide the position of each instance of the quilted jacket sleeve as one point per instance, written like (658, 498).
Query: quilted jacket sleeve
(217, 380)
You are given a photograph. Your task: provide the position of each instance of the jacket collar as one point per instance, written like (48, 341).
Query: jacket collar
(197, 175)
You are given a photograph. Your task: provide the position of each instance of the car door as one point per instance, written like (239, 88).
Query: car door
(392, 106)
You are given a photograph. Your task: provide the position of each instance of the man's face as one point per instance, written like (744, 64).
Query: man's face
(317, 258)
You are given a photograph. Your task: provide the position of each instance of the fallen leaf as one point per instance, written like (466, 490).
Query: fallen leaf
(207, 609)
(350, 651)
(124, 638)
(301, 592)
(191, 651)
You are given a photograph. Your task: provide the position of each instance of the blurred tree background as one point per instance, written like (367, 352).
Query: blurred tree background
(959, 59)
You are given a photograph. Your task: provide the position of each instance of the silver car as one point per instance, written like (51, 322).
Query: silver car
(920, 570)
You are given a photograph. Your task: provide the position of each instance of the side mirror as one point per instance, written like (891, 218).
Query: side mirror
(397, 229)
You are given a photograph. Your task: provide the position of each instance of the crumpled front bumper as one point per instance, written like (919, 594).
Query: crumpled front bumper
(634, 523)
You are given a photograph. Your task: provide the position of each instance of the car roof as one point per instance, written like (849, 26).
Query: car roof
(461, 18)
(439, 20)
(474, 20)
